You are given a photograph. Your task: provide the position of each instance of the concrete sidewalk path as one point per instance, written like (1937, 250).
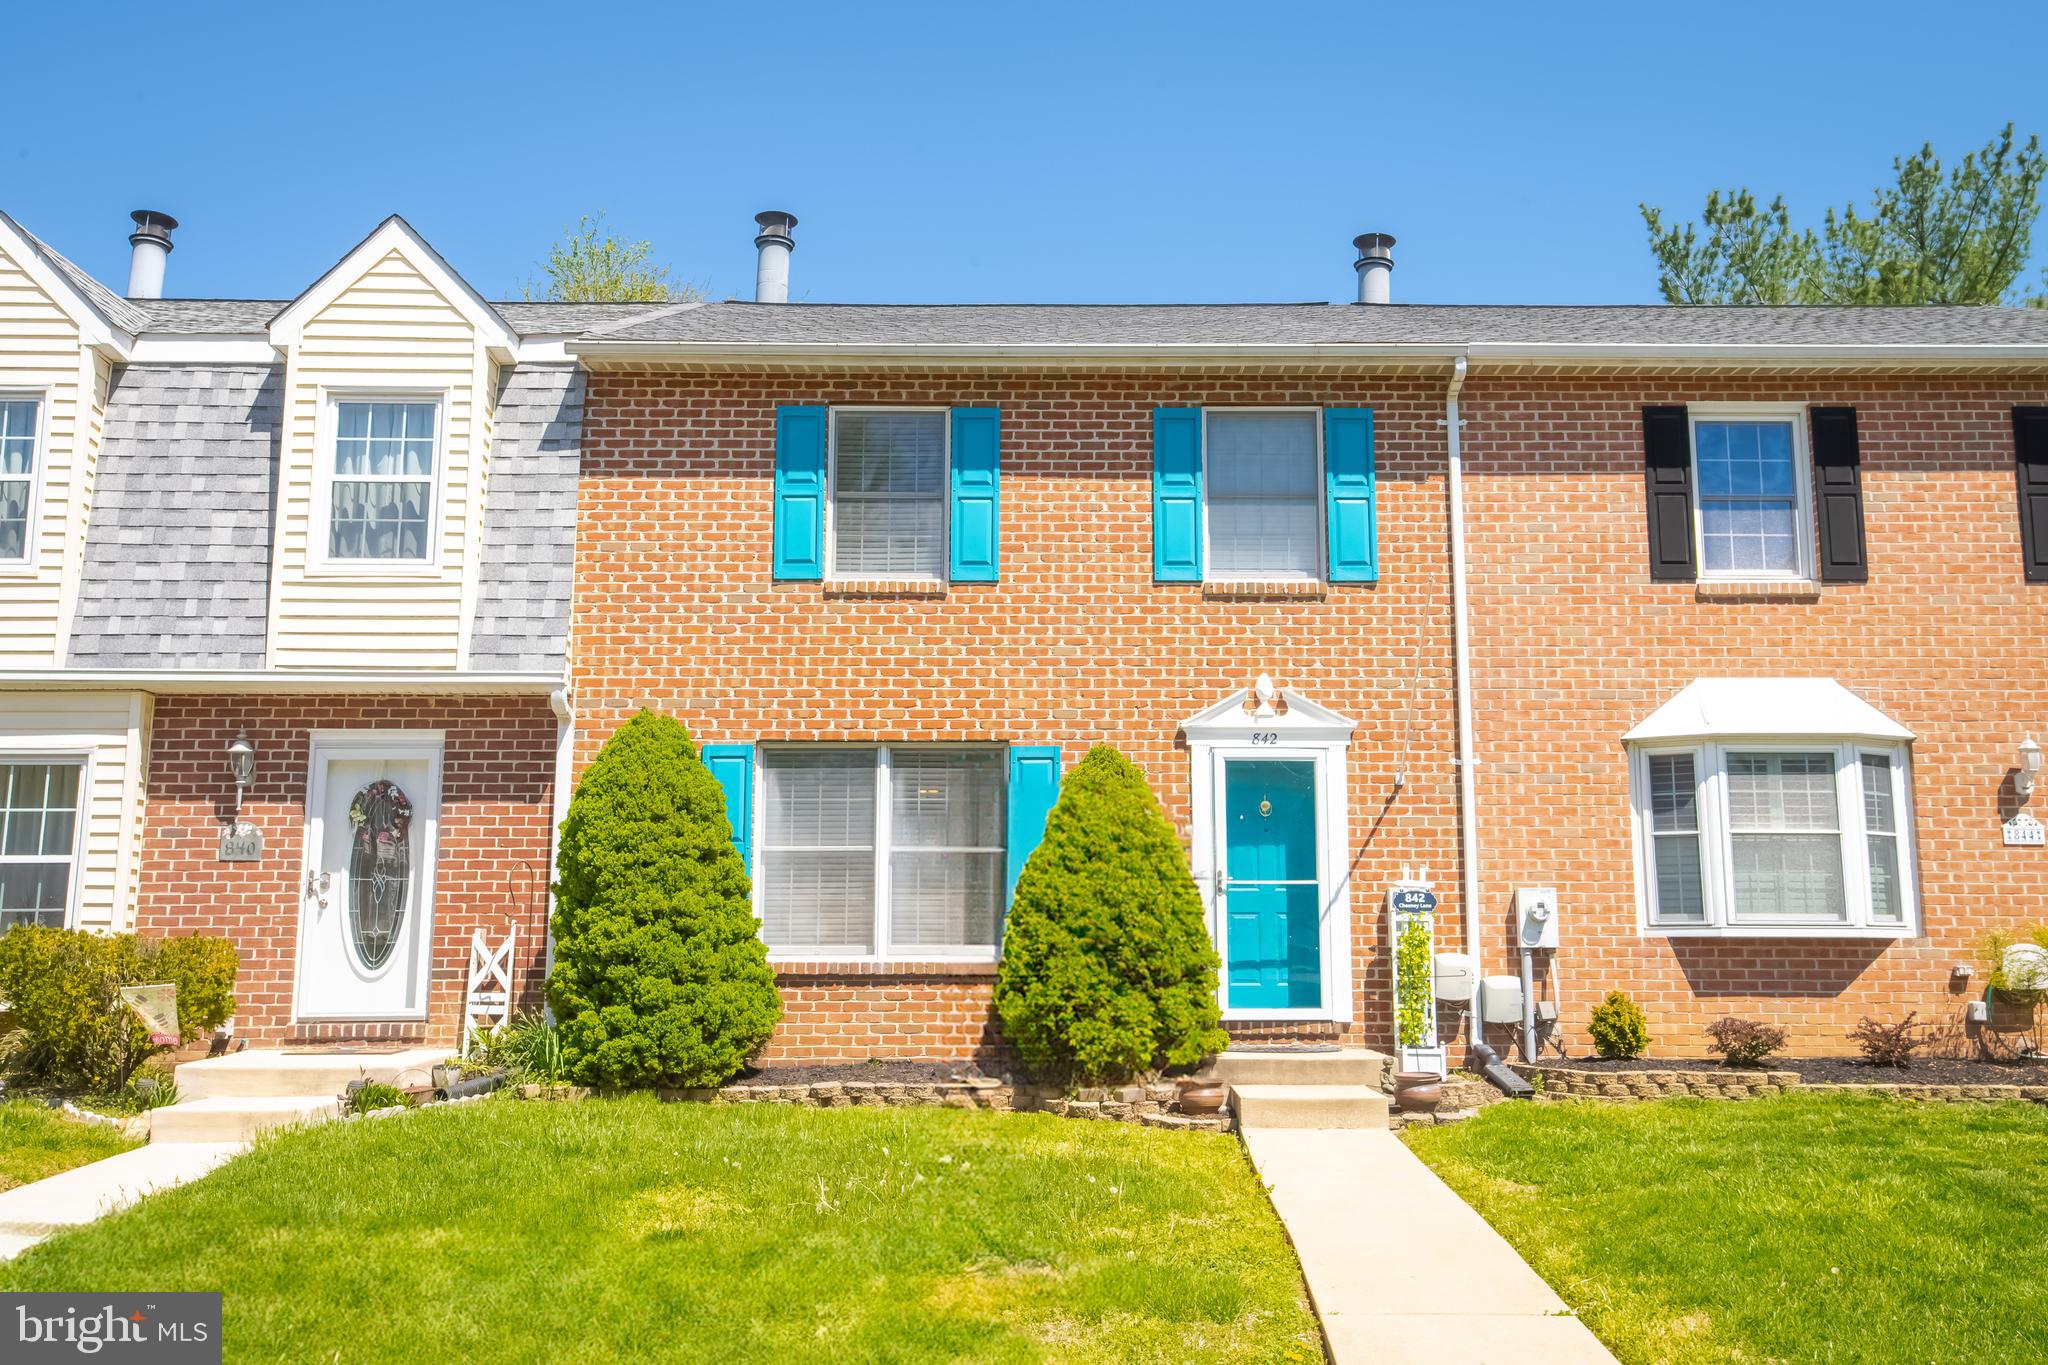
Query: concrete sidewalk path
(29, 1213)
(1399, 1267)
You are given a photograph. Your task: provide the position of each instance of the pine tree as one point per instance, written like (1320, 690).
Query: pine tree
(660, 976)
(1107, 968)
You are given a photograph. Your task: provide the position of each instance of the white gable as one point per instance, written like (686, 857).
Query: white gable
(1294, 716)
(394, 234)
(1759, 708)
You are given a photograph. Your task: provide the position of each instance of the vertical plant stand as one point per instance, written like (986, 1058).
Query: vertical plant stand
(1411, 921)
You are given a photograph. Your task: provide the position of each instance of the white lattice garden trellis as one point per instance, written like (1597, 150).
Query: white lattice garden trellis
(488, 1005)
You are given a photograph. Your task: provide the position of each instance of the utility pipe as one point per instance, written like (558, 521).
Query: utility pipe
(1461, 655)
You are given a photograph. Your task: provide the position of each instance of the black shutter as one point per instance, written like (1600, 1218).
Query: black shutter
(1667, 471)
(2030, 444)
(1838, 496)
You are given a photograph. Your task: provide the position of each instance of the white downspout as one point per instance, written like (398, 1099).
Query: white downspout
(1461, 653)
(565, 758)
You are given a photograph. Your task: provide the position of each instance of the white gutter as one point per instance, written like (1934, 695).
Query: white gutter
(278, 680)
(565, 758)
(1461, 654)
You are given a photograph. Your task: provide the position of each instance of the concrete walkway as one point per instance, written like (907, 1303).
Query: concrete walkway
(1400, 1268)
(29, 1213)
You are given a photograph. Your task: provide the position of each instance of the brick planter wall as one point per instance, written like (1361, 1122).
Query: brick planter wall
(1735, 1084)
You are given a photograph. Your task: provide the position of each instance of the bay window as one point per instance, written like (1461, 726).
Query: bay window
(893, 851)
(1777, 837)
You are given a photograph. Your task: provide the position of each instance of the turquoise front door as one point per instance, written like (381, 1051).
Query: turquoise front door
(1272, 937)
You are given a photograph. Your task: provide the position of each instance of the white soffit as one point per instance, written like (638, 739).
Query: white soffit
(1761, 708)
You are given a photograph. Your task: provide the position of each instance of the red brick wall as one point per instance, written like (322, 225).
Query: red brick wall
(1573, 645)
(497, 792)
(676, 609)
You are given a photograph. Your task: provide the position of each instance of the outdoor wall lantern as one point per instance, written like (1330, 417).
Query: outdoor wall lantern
(241, 763)
(2030, 764)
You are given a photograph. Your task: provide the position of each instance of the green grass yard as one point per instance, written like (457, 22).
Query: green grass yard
(1794, 1229)
(624, 1230)
(37, 1141)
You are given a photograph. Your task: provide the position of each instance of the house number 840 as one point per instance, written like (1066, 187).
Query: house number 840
(1265, 736)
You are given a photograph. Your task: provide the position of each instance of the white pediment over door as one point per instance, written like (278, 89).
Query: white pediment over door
(1281, 711)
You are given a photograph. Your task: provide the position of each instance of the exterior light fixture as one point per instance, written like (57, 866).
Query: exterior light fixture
(2030, 764)
(242, 764)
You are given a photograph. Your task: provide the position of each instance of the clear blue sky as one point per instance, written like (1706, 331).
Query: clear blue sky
(981, 153)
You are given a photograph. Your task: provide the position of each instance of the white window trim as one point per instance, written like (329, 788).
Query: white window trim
(28, 564)
(320, 531)
(1321, 493)
(15, 753)
(884, 926)
(1802, 476)
(1717, 850)
(832, 573)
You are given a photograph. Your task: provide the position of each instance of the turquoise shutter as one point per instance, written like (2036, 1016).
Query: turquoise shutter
(1353, 517)
(733, 766)
(1177, 495)
(800, 492)
(977, 474)
(1034, 787)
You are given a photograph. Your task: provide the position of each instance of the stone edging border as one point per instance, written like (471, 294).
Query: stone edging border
(1155, 1106)
(1652, 1084)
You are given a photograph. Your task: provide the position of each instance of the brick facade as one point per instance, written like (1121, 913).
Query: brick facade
(1076, 645)
(1572, 645)
(497, 793)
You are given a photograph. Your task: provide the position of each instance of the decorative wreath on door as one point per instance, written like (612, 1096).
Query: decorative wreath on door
(379, 869)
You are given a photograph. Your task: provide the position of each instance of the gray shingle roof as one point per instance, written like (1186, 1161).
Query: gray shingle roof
(177, 555)
(112, 306)
(830, 324)
(522, 612)
(199, 317)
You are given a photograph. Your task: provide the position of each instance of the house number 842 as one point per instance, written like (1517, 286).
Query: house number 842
(1265, 736)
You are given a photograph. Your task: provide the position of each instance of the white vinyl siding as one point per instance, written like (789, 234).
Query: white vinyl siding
(1262, 479)
(389, 338)
(39, 837)
(889, 496)
(1779, 839)
(881, 852)
(1752, 492)
(105, 736)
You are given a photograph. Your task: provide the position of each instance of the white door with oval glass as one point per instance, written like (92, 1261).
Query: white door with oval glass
(367, 891)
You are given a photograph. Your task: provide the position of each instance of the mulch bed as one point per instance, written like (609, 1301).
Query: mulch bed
(1840, 1070)
(885, 1071)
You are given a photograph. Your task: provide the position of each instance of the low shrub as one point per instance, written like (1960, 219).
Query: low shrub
(528, 1046)
(376, 1095)
(1744, 1042)
(1107, 966)
(1618, 1027)
(63, 988)
(1886, 1044)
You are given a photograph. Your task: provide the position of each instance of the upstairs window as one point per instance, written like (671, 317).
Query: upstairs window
(893, 852)
(38, 841)
(381, 488)
(17, 474)
(1754, 519)
(1264, 494)
(888, 507)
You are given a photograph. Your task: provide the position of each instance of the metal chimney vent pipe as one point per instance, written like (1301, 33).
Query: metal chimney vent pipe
(771, 275)
(1375, 267)
(149, 246)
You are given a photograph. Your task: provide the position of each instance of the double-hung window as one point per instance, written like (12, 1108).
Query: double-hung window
(39, 830)
(888, 506)
(381, 480)
(18, 419)
(1779, 838)
(1264, 491)
(1755, 517)
(892, 851)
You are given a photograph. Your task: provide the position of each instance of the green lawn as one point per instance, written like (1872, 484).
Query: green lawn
(616, 1230)
(1794, 1229)
(36, 1140)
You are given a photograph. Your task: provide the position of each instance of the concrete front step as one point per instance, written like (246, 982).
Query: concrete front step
(1350, 1066)
(1308, 1106)
(235, 1118)
(322, 1075)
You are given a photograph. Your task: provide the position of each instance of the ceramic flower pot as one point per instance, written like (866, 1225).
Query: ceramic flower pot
(1201, 1094)
(1418, 1092)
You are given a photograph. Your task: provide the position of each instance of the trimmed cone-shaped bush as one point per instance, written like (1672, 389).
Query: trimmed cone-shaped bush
(660, 977)
(1107, 966)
